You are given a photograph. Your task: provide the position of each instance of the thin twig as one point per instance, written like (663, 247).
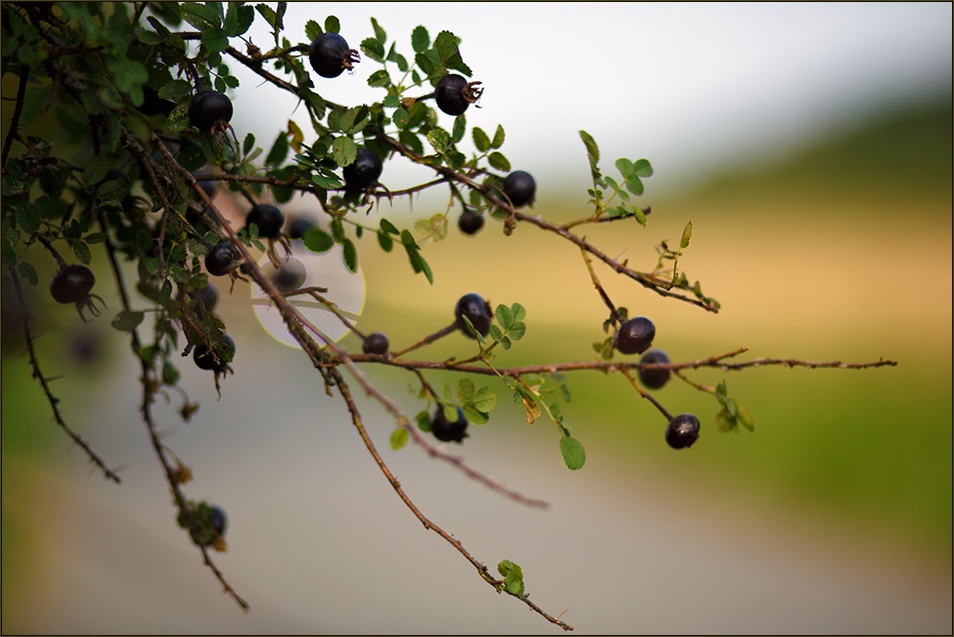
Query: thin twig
(15, 120)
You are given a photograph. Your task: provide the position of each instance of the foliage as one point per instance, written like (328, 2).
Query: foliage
(115, 182)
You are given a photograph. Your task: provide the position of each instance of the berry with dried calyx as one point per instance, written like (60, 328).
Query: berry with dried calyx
(682, 431)
(330, 56)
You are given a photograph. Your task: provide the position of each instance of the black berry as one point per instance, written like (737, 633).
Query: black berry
(520, 188)
(376, 343)
(217, 520)
(364, 171)
(475, 308)
(290, 276)
(207, 296)
(300, 227)
(654, 378)
(682, 431)
(635, 335)
(454, 94)
(221, 258)
(330, 56)
(209, 110)
(470, 222)
(268, 218)
(447, 431)
(72, 284)
(212, 524)
(205, 359)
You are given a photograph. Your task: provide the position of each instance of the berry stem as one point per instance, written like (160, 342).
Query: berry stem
(645, 395)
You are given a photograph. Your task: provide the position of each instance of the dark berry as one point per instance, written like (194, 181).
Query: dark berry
(364, 171)
(376, 343)
(221, 258)
(212, 523)
(205, 359)
(330, 56)
(477, 310)
(290, 276)
(152, 104)
(209, 109)
(470, 222)
(454, 94)
(447, 431)
(300, 227)
(72, 284)
(654, 378)
(207, 296)
(520, 188)
(682, 431)
(268, 218)
(217, 520)
(635, 335)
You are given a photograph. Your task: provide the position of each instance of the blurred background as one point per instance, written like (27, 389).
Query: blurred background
(810, 146)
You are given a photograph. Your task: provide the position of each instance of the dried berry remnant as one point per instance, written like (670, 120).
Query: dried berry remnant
(475, 308)
(635, 335)
(447, 431)
(364, 171)
(376, 343)
(654, 378)
(210, 110)
(72, 284)
(221, 258)
(330, 56)
(205, 359)
(682, 431)
(267, 218)
(470, 222)
(520, 188)
(454, 94)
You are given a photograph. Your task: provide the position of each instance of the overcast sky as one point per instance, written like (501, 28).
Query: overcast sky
(693, 88)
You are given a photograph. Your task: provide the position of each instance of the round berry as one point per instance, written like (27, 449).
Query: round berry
(217, 520)
(682, 431)
(207, 296)
(221, 258)
(376, 343)
(470, 222)
(205, 359)
(520, 188)
(290, 276)
(475, 308)
(212, 523)
(298, 228)
(330, 56)
(635, 335)
(209, 109)
(364, 171)
(447, 431)
(451, 94)
(72, 284)
(654, 378)
(268, 218)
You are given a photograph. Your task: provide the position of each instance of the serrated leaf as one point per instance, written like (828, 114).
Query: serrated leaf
(202, 16)
(573, 453)
(533, 410)
(388, 227)
(460, 127)
(485, 399)
(332, 24)
(317, 240)
(625, 167)
(248, 144)
(350, 254)
(386, 242)
(128, 320)
(474, 416)
(423, 420)
(440, 139)
(379, 32)
(27, 272)
(592, 152)
(686, 235)
(312, 30)
(399, 438)
(279, 150)
(373, 49)
(517, 330)
(634, 185)
(420, 40)
(344, 151)
(495, 333)
(379, 78)
(504, 315)
(481, 141)
(642, 168)
(499, 137)
(498, 161)
(465, 390)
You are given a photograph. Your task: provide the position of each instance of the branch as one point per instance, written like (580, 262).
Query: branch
(15, 120)
(38, 374)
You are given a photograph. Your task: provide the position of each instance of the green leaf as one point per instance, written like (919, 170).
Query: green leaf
(592, 153)
(344, 151)
(517, 330)
(686, 235)
(420, 40)
(279, 150)
(385, 241)
(215, 40)
(399, 438)
(485, 399)
(498, 161)
(128, 320)
(440, 139)
(642, 168)
(400, 118)
(28, 273)
(519, 312)
(481, 141)
(379, 32)
(81, 250)
(513, 577)
(423, 420)
(312, 30)
(460, 127)
(350, 254)
(495, 333)
(203, 16)
(474, 416)
(573, 454)
(332, 24)
(465, 390)
(625, 167)
(317, 240)
(635, 185)
(170, 375)
(388, 227)
(373, 49)
(379, 78)
(504, 316)
(499, 137)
